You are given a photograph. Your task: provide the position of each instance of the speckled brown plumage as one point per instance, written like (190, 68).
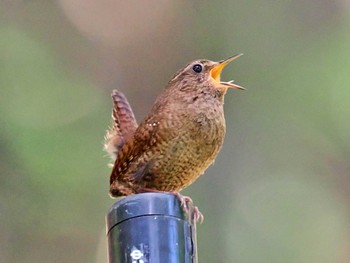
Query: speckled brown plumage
(179, 138)
(124, 124)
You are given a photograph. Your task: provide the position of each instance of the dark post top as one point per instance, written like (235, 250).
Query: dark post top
(150, 227)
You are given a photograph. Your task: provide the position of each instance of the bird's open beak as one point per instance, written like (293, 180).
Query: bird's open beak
(215, 72)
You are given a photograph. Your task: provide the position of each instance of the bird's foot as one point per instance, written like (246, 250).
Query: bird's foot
(186, 204)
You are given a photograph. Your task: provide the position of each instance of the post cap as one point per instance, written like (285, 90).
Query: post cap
(144, 204)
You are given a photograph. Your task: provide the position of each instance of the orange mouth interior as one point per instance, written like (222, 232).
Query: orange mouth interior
(215, 72)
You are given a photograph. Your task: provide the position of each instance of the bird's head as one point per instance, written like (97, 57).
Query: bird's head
(204, 73)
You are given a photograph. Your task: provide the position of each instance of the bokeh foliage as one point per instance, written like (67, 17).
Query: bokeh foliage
(279, 190)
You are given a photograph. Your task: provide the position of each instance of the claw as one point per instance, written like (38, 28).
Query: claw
(187, 204)
(197, 215)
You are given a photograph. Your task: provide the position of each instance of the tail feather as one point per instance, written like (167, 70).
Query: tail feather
(124, 124)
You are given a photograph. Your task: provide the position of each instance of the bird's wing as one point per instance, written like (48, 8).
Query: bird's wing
(123, 127)
(135, 157)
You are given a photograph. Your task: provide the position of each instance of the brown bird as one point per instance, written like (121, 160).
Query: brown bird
(179, 138)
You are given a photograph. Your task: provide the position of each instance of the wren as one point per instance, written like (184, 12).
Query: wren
(178, 139)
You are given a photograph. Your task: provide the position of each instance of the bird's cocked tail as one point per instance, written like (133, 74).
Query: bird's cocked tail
(123, 124)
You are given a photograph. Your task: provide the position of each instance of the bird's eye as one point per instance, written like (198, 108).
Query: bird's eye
(197, 68)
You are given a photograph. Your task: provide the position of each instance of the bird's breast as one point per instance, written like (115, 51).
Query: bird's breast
(208, 130)
(197, 142)
(200, 132)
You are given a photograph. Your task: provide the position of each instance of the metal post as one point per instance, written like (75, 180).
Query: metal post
(150, 228)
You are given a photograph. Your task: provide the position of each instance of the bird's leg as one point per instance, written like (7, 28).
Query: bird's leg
(185, 200)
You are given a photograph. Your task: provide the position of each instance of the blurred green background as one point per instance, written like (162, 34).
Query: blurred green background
(280, 188)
